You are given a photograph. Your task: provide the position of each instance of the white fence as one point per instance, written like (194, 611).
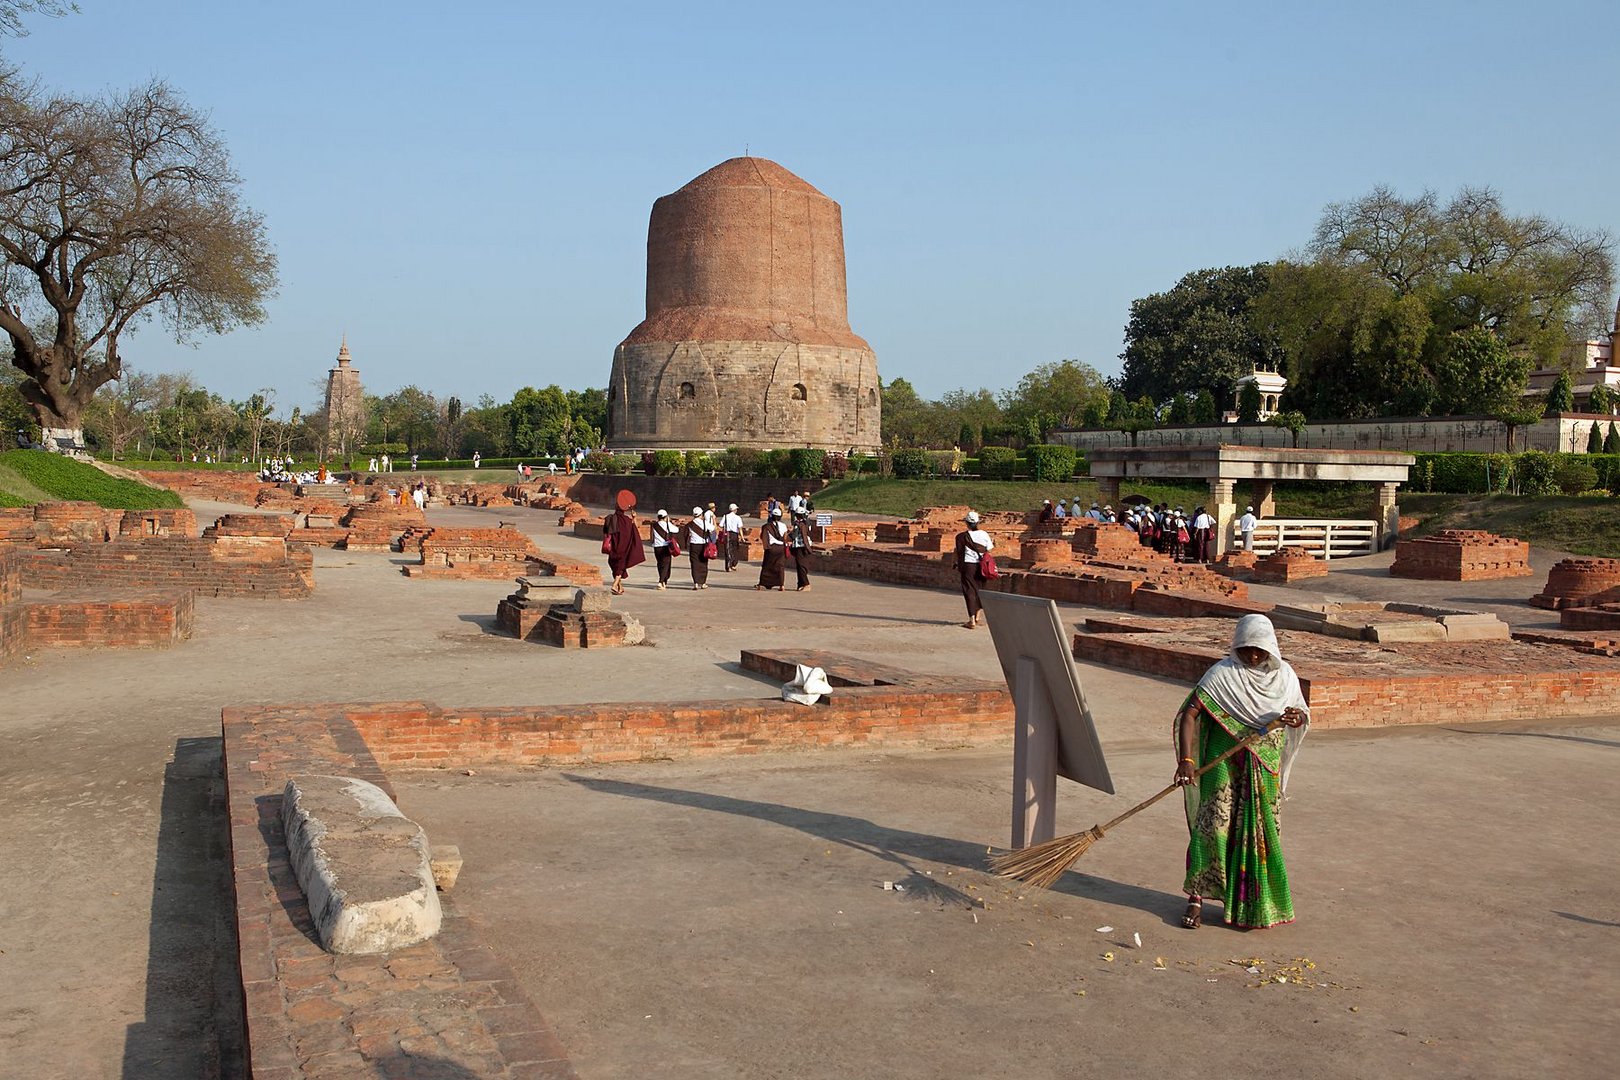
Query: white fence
(1327, 538)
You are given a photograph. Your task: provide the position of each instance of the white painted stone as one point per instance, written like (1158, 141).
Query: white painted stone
(364, 866)
(592, 600)
(635, 632)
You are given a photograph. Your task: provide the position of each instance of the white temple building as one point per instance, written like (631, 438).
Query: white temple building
(1271, 383)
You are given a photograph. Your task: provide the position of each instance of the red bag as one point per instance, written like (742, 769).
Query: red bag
(711, 550)
(987, 567)
(607, 543)
(674, 549)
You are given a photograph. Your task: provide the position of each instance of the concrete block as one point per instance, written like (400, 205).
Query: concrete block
(363, 865)
(586, 600)
(1493, 631)
(446, 863)
(1387, 633)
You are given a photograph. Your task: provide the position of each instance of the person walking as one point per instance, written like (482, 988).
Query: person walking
(664, 545)
(774, 537)
(731, 527)
(972, 545)
(1203, 533)
(1234, 846)
(799, 544)
(621, 539)
(697, 541)
(1246, 525)
(478, 459)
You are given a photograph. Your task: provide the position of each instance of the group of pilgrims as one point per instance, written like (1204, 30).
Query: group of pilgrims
(1172, 532)
(707, 536)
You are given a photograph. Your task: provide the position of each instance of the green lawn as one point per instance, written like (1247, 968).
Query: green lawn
(1579, 525)
(31, 476)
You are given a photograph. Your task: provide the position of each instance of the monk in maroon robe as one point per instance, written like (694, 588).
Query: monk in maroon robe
(622, 532)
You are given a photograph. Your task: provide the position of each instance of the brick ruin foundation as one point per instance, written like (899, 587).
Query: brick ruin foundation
(1461, 555)
(567, 617)
(452, 997)
(1071, 562)
(1287, 565)
(1580, 583)
(1352, 683)
(490, 555)
(79, 619)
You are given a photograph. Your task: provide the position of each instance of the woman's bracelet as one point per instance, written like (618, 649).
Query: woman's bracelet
(1189, 761)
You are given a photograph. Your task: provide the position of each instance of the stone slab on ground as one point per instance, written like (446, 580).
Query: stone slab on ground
(364, 866)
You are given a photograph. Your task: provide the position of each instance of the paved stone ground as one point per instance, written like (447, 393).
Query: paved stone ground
(111, 918)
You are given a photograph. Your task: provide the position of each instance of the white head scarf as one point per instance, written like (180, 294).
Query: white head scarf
(1256, 696)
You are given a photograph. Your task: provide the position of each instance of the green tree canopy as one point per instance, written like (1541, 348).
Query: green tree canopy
(1561, 398)
(1197, 336)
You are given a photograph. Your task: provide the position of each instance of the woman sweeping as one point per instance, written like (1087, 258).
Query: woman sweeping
(622, 539)
(1235, 851)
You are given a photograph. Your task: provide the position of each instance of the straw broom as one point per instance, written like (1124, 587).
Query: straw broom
(1042, 864)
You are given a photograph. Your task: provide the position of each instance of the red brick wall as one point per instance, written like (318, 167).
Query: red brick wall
(418, 735)
(236, 487)
(263, 568)
(141, 622)
(1338, 700)
(13, 619)
(1461, 555)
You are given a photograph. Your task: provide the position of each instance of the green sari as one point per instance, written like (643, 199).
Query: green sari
(1235, 850)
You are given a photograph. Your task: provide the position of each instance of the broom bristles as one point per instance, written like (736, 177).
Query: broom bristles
(1042, 864)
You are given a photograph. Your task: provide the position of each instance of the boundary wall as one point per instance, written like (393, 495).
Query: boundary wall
(1563, 433)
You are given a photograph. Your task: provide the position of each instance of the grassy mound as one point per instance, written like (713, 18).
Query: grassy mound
(31, 476)
(1576, 524)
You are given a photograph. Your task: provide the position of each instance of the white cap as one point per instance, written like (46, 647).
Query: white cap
(972, 517)
(697, 511)
(734, 506)
(663, 513)
(1248, 509)
(776, 511)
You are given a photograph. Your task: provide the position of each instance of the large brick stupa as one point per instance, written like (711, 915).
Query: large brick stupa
(746, 340)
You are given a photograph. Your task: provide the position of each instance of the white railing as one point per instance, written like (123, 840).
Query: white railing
(1327, 538)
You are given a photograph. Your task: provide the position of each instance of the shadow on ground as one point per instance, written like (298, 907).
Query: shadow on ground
(193, 1023)
(898, 846)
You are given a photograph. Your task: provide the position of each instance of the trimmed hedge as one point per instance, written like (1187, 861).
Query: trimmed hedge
(998, 462)
(668, 463)
(806, 463)
(1050, 462)
(1530, 472)
(909, 464)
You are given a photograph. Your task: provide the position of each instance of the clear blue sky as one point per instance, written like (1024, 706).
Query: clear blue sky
(464, 189)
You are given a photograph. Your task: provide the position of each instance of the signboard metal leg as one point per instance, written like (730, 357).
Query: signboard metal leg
(1034, 757)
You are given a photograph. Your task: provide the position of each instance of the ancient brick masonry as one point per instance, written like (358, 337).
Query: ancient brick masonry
(1287, 565)
(234, 487)
(220, 566)
(1461, 555)
(1580, 583)
(449, 1006)
(1359, 684)
(13, 618)
(746, 340)
(161, 522)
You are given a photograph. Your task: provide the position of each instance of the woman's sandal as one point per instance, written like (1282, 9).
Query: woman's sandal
(1195, 913)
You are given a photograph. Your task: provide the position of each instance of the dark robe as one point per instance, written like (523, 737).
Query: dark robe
(624, 543)
(770, 572)
(801, 552)
(969, 573)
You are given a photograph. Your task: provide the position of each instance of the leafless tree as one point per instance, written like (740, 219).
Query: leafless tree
(114, 211)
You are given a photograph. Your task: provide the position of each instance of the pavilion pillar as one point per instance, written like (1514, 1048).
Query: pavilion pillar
(1108, 491)
(1265, 501)
(1224, 513)
(1388, 516)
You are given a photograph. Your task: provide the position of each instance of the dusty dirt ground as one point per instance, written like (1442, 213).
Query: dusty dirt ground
(1457, 887)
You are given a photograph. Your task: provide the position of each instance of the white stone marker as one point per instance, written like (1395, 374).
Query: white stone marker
(364, 867)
